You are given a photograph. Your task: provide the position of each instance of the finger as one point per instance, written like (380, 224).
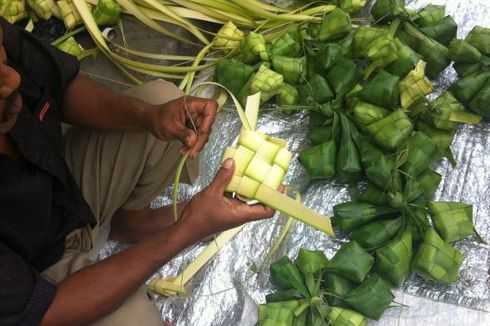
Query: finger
(187, 136)
(202, 140)
(204, 114)
(223, 177)
(255, 212)
(202, 110)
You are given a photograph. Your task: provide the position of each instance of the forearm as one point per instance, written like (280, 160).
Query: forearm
(99, 289)
(137, 225)
(94, 107)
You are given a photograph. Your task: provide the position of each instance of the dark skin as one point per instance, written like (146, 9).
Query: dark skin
(79, 299)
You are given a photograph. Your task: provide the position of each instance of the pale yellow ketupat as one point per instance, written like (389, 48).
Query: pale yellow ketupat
(261, 163)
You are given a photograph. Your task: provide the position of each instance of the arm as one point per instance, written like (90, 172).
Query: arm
(91, 106)
(97, 290)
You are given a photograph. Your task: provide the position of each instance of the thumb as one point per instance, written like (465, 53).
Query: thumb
(223, 176)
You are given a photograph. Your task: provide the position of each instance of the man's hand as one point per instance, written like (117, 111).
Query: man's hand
(211, 211)
(177, 119)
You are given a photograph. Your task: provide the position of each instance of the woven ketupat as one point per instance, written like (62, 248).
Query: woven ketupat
(429, 15)
(233, 74)
(407, 59)
(107, 12)
(382, 51)
(352, 6)
(70, 46)
(345, 317)
(453, 221)
(335, 25)
(13, 11)
(371, 298)
(253, 48)
(69, 13)
(436, 260)
(42, 8)
(289, 95)
(391, 131)
(393, 260)
(292, 69)
(479, 37)
(414, 86)
(266, 81)
(364, 36)
(285, 45)
(262, 161)
(228, 37)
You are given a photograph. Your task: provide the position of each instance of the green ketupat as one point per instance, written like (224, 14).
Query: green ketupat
(436, 260)
(453, 221)
(414, 86)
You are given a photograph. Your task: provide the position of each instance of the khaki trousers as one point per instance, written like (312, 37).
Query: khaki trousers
(119, 170)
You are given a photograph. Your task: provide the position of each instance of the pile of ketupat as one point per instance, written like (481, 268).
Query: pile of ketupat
(370, 120)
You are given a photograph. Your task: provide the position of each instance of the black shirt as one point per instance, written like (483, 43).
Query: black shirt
(40, 203)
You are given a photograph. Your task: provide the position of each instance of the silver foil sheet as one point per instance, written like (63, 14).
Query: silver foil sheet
(226, 291)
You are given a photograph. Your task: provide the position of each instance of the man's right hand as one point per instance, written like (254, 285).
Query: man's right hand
(211, 211)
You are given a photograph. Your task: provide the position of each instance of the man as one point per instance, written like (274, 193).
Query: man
(55, 197)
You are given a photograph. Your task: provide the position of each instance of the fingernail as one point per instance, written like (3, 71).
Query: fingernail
(228, 164)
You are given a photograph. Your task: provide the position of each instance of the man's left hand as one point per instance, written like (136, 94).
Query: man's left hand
(177, 119)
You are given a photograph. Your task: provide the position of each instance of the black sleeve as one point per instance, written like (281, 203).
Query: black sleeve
(24, 295)
(38, 59)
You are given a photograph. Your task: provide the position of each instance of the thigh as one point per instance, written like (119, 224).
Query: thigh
(138, 309)
(123, 170)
